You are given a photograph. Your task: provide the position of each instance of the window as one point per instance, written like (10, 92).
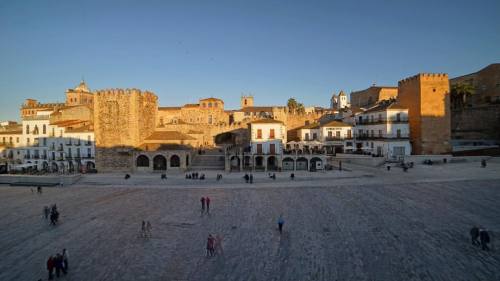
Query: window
(271, 133)
(27, 129)
(307, 136)
(53, 132)
(315, 136)
(44, 129)
(371, 132)
(259, 133)
(35, 130)
(259, 148)
(349, 134)
(337, 134)
(78, 152)
(398, 133)
(330, 134)
(88, 140)
(28, 141)
(10, 140)
(379, 117)
(17, 139)
(89, 152)
(44, 141)
(209, 119)
(398, 117)
(272, 148)
(379, 133)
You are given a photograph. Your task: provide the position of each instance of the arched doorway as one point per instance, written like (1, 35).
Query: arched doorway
(301, 164)
(235, 163)
(159, 163)
(259, 162)
(175, 161)
(142, 161)
(247, 162)
(71, 168)
(45, 166)
(272, 164)
(288, 164)
(316, 164)
(90, 166)
(54, 168)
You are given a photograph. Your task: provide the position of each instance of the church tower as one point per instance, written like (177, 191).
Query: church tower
(246, 101)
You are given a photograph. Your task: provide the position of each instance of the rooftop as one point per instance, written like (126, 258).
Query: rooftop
(266, 121)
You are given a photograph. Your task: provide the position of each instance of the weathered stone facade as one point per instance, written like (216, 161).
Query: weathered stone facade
(372, 95)
(427, 98)
(122, 120)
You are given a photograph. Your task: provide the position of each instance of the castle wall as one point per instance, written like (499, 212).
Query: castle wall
(122, 118)
(372, 95)
(427, 98)
(476, 123)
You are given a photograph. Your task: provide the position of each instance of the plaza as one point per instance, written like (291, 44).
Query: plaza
(358, 224)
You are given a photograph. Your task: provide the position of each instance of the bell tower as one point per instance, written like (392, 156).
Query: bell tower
(246, 101)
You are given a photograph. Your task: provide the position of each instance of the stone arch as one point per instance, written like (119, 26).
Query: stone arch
(159, 163)
(54, 167)
(45, 166)
(142, 161)
(71, 167)
(272, 163)
(235, 163)
(288, 164)
(301, 163)
(90, 165)
(175, 161)
(259, 162)
(316, 164)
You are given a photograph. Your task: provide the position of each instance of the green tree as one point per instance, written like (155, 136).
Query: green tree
(292, 105)
(460, 93)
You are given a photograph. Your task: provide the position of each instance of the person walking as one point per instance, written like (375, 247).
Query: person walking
(202, 200)
(251, 178)
(207, 200)
(281, 222)
(210, 245)
(484, 237)
(39, 189)
(50, 267)
(65, 257)
(474, 235)
(58, 262)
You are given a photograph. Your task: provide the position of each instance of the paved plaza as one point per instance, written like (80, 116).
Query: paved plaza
(360, 224)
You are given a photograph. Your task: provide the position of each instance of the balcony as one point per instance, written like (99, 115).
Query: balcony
(339, 138)
(382, 121)
(383, 137)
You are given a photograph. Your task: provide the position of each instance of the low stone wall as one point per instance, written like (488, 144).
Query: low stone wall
(42, 180)
(419, 159)
(365, 160)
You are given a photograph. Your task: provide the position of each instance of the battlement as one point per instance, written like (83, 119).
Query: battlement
(115, 93)
(41, 105)
(424, 77)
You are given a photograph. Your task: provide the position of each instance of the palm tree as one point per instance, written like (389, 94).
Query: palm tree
(292, 105)
(460, 93)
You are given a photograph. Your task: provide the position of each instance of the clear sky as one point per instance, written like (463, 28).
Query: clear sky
(185, 50)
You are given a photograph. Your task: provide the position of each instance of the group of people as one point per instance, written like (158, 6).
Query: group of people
(195, 176)
(214, 245)
(51, 212)
(146, 229)
(205, 204)
(248, 178)
(219, 177)
(481, 234)
(272, 176)
(59, 263)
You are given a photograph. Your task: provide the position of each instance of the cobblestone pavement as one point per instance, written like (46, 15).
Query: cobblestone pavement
(410, 229)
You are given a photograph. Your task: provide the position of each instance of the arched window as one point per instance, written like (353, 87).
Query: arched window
(142, 161)
(209, 104)
(35, 130)
(27, 129)
(44, 129)
(175, 161)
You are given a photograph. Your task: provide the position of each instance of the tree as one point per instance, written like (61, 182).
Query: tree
(292, 105)
(460, 93)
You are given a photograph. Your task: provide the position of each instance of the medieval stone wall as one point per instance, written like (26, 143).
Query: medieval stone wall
(476, 123)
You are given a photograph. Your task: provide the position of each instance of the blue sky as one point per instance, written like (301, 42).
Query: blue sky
(185, 50)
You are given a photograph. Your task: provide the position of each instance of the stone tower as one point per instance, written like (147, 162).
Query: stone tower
(334, 101)
(122, 120)
(427, 97)
(246, 101)
(342, 101)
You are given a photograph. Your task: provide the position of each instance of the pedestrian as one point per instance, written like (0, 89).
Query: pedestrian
(273, 176)
(50, 267)
(127, 176)
(483, 163)
(474, 235)
(202, 200)
(149, 227)
(39, 189)
(58, 264)
(340, 165)
(251, 178)
(281, 222)
(207, 200)
(61, 182)
(163, 176)
(65, 257)
(143, 229)
(31, 190)
(247, 178)
(484, 237)
(210, 245)
(292, 176)
(46, 212)
(218, 245)
(388, 168)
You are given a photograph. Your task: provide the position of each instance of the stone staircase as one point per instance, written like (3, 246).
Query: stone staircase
(211, 159)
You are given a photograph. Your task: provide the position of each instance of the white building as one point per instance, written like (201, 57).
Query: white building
(64, 146)
(383, 130)
(338, 102)
(333, 136)
(267, 140)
